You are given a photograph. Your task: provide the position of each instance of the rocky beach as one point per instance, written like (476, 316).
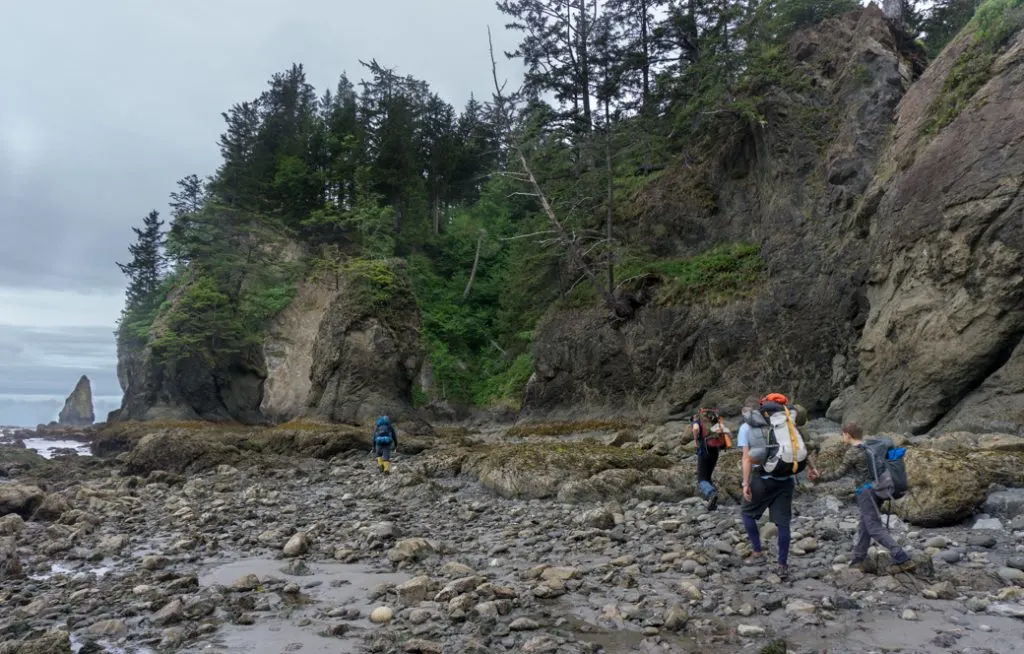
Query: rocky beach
(489, 540)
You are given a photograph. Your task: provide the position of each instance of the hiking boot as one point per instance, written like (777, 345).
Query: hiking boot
(713, 502)
(903, 566)
(781, 571)
(756, 558)
(857, 564)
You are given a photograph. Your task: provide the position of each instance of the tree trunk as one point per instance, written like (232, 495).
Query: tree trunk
(611, 198)
(437, 214)
(476, 262)
(646, 54)
(583, 62)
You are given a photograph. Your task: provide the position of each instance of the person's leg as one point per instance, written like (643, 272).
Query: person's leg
(863, 539)
(386, 455)
(704, 469)
(781, 513)
(872, 523)
(380, 459)
(706, 462)
(752, 512)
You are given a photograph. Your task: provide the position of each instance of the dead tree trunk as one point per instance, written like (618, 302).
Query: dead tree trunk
(563, 236)
(476, 262)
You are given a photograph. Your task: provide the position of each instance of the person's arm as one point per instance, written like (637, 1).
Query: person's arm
(394, 438)
(743, 441)
(847, 466)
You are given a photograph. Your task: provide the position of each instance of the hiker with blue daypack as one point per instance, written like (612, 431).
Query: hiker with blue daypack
(385, 441)
(877, 466)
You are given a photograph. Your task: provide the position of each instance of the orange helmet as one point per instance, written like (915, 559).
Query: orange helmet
(778, 398)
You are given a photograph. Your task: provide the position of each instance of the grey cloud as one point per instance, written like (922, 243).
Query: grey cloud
(49, 361)
(107, 103)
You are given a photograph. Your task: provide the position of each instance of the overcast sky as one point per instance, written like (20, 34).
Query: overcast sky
(105, 104)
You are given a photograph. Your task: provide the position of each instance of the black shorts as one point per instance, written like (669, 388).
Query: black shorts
(774, 495)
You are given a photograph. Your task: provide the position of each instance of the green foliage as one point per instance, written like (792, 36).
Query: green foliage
(374, 282)
(944, 21)
(995, 22)
(719, 275)
(203, 323)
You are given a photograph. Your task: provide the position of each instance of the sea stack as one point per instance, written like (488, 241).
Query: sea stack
(77, 409)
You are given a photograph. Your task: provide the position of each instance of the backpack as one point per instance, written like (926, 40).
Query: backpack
(887, 465)
(383, 434)
(716, 435)
(775, 443)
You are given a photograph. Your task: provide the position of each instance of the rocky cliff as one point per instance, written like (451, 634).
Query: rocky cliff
(78, 410)
(892, 236)
(942, 346)
(789, 185)
(345, 349)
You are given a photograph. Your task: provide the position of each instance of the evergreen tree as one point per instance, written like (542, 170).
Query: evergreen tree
(146, 268)
(557, 49)
(186, 204)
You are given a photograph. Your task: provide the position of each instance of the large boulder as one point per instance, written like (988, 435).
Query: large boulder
(78, 410)
(20, 499)
(947, 485)
(182, 450)
(942, 347)
(367, 353)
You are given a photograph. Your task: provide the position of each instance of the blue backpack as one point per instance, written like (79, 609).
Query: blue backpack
(384, 434)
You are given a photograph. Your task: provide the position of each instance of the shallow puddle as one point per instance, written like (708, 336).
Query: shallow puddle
(330, 585)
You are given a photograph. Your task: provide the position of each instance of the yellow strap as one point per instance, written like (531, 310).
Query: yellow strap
(792, 437)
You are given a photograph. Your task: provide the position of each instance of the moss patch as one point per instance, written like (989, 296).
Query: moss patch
(578, 460)
(991, 29)
(566, 428)
(717, 276)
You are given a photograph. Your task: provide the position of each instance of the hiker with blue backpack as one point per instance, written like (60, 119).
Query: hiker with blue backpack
(385, 441)
(878, 467)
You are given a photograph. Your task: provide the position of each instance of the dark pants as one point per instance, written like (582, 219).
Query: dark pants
(772, 495)
(707, 459)
(383, 451)
(872, 527)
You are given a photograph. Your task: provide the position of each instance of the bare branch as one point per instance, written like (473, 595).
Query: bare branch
(530, 235)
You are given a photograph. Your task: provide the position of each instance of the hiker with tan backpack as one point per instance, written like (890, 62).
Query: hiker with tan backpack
(774, 453)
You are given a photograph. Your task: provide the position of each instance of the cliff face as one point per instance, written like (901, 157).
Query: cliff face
(190, 389)
(78, 410)
(893, 240)
(791, 186)
(334, 353)
(942, 347)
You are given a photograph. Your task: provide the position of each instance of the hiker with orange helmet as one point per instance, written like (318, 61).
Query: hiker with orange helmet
(710, 435)
(773, 454)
